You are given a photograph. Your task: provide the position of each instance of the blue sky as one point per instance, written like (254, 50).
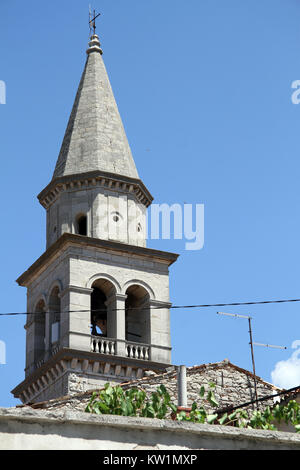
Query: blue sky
(204, 90)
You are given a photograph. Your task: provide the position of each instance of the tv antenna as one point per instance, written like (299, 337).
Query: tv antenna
(252, 343)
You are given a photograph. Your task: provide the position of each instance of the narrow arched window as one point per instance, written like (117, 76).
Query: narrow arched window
(81, 225)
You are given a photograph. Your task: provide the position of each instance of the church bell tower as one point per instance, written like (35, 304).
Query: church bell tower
(97, 298)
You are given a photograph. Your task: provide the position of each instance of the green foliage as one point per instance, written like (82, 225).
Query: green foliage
(159, 405)
(266, 419)
(242, 418)
(133, 402)
(200, 414)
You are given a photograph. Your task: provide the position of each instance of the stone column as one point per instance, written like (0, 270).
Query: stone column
(75, 327)
(116, 321)
(143, 320)
(160, 339)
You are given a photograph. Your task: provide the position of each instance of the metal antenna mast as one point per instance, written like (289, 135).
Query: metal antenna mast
(251, 345)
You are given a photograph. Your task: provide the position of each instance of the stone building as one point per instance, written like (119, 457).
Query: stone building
(233, 386)
(61, 423)
(97, 298)
(99, 308)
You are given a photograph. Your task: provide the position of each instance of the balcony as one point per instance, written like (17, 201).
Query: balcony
(102, 345)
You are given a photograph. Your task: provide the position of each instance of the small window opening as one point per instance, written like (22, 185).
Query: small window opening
(82, 225)
(116, 217)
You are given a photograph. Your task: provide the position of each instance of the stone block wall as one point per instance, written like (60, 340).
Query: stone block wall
(233, 386)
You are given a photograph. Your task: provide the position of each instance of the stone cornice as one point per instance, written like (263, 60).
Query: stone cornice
(92, 179)
(78, 289)
(158, 303)
(68, 239)
(58, 364)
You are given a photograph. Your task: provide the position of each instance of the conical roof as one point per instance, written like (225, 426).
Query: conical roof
(95, 138)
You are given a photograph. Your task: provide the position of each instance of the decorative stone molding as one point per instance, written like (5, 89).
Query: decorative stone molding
(77, 289)
(92, 365)
(104, 276)
(114, 182)
(158, 303)
(68, 239)
(138, 282)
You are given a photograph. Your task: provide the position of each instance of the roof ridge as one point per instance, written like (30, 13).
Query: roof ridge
(226, 362)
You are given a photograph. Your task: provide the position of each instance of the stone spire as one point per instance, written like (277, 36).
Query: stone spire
(95, 139)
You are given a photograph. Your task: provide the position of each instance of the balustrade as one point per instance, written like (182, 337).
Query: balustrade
(103, 345)
(138, 351)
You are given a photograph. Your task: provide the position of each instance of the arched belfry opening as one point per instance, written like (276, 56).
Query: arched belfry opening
(54, 317)
(39, 332)
(137, 314)
(101, 305)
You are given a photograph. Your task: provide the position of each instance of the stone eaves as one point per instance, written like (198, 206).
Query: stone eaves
(69, 239)
(104, 179)
(58, 363)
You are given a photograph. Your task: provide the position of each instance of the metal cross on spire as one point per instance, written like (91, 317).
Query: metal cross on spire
(92, 21)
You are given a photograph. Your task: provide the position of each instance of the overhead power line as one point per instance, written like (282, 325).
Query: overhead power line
(261, 399)
(157, 307)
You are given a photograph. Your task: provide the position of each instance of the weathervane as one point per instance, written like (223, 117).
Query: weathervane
(92, 21)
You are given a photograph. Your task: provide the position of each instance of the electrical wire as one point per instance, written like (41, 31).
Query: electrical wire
(157, 307)
(261, 399)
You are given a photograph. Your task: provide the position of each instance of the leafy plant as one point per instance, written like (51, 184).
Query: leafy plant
(159, 405)
(201, 414)
(134, 402)
(268, 418)
(241, 418)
